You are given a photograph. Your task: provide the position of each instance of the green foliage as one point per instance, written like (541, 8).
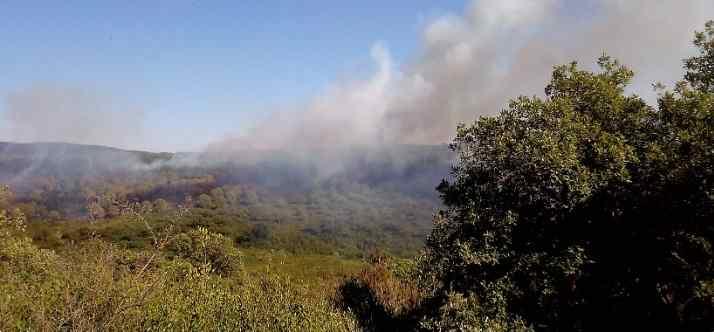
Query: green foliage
(5, 197)
(212, 250)
(456, 312)
(700, 69)
(377, 197)
(380, 298)
(202, 302)
(161, 205)
(101, 289)
(205, 202)
(585, 205)
(585, 210)
(99, 286)
(325, 223)
(18, 256)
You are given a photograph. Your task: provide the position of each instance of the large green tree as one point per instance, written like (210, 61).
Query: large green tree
(584, 210)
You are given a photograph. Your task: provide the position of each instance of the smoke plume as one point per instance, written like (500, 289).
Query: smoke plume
(55, 113)
(471, 64)
(467, 65)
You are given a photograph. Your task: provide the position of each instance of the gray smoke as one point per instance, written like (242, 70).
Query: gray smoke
(469, 65)
(56, 113)
(472, 64)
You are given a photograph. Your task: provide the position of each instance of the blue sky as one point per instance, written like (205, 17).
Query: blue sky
(202, 69)
(208, 71)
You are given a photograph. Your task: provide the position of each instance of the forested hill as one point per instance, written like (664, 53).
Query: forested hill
(410, 169)
(70, 160)
(343, 196)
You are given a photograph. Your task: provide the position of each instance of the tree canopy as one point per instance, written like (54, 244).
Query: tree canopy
(587, 209)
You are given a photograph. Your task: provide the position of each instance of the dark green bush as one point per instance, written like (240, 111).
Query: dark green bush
(586, 210)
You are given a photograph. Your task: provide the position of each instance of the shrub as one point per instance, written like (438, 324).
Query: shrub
(202, 247)
(381, 300)
(201, 301)
(99, 286)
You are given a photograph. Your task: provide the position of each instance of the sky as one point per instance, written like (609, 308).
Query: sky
(198, 70)
(177, 75)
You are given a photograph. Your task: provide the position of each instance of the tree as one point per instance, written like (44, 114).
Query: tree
(161, 205)
(585, 210)
(261, 233)
(6, 197)
(205, 202)
(211, 250)
(232, 194)
(219, 197)
(147, 206)
(95, 211)
(249, 197)
(700, 68)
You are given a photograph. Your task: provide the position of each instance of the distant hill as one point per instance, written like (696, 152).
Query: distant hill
(20, 160)
(412, 170)
(329, 193)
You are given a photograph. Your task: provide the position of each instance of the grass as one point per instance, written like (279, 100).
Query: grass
(316, 272)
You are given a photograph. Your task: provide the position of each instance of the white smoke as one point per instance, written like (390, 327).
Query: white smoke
(472, 64)
(468, 65)
(58, 113)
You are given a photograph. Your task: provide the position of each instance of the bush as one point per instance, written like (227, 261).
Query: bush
(202, 247)
(201, 301)
(102, 287)
(379, 299)
(97, 286)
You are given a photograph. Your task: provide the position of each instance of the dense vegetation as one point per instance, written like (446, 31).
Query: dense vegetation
(348, 200)
(184, 281)
(584, 210)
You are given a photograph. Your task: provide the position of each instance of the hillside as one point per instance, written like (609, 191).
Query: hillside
(351, 198)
